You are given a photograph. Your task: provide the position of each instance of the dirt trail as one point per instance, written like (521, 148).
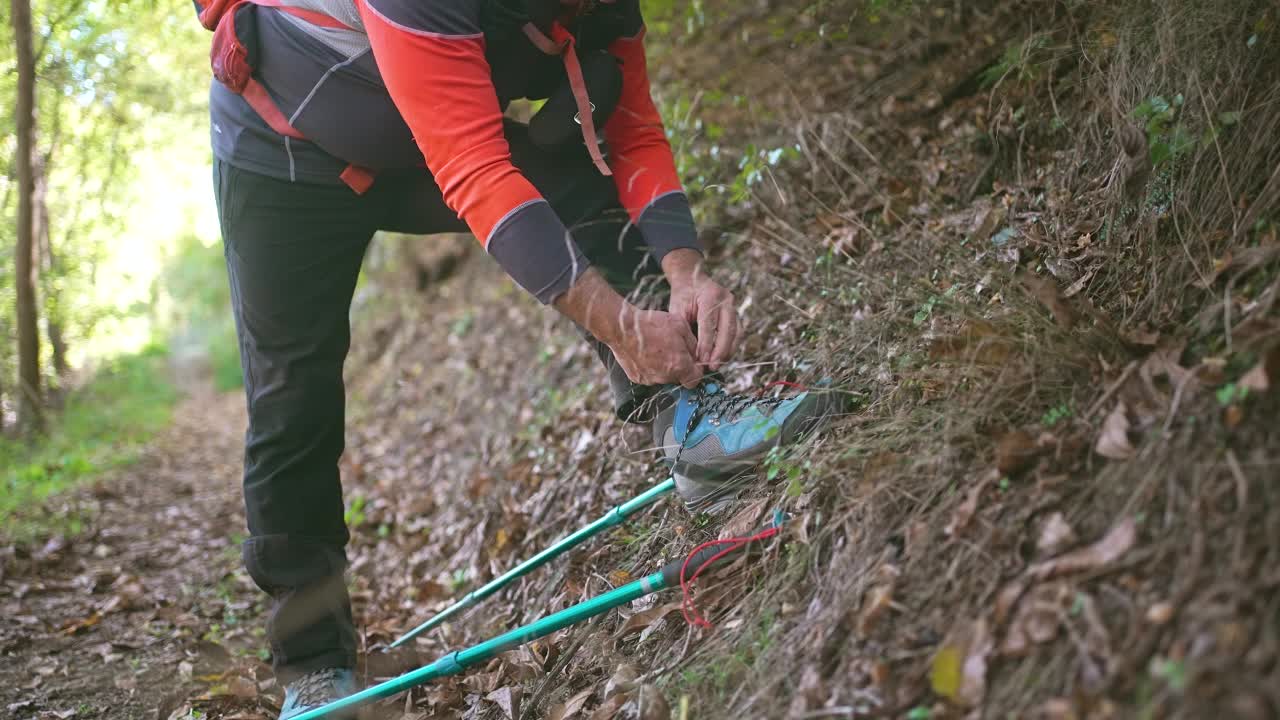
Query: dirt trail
(147, 606)
(1056, 498)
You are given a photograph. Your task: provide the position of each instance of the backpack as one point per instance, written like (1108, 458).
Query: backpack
(578, 101)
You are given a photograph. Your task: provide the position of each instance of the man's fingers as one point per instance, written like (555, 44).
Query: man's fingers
(708, 321)
(686, 335)
(689, 375)
(727, 338)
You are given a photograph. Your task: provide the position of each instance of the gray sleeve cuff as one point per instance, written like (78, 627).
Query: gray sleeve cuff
(537, 251)
(667, 224)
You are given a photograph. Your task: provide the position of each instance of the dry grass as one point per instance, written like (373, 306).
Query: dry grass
(970, 264)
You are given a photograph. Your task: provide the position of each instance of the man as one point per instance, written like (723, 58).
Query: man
(332, 119)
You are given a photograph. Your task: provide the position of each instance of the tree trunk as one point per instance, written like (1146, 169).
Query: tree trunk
(30, 417)
(50, 271)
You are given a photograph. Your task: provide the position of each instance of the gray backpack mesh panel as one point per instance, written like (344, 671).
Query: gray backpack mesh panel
(347, 42)
(344, 11)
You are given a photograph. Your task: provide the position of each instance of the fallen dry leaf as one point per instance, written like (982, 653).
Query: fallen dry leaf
(1256, 380)
(609, 708)
(959, 669)
(622, 681)
(944, 671)
(1055, 535)
(645, 618)
(652, 704)
(745, 522)
(1166, 361)
(1113, 442)
(1015, 451)
(1105, 551)
(977, 342)
(1037, 619)
(483, 683)
(242, 687)
(879, 601)
(570, 707)
(964, 512)
(1261, 377)
(75, 627)
(508, 699)
(809, 692)
(1057, 709)
(1136, 166)
(916, 538)
(126, 682)
(1046, 291)
(1160, 613)
(1140, 336)
(1097, 660)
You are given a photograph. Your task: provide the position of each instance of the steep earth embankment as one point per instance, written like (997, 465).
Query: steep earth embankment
(1035, 242)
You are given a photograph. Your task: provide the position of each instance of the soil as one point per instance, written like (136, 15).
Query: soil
(1054, 497)
(146, 606)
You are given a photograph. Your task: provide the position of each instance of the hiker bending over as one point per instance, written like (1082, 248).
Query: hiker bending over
(332, 119)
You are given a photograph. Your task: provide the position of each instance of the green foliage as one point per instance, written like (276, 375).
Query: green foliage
(754, 164)
(780, 463)
(1231, 393)
(1018, 62)
(192, 307)
(934, 301)
(104, 424)
(354, 514)
(116, 81)
(1167, 139)
(457, 581)
(1056, 414)
(1173, 672)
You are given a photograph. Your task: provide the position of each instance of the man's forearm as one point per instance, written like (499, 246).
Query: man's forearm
(595, 305)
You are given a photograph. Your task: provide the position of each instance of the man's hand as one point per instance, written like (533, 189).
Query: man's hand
(653, 348)
(698, 299)
(656, 348)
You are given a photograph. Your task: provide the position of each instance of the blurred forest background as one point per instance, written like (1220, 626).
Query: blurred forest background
(124, 257)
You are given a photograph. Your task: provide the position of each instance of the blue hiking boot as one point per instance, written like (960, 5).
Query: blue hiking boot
(711, 438)
(318, 688)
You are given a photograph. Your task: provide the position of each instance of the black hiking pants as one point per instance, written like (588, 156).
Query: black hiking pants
(293, 253)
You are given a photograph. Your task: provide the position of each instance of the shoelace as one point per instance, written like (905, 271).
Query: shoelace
(720, 405)
(316, 688)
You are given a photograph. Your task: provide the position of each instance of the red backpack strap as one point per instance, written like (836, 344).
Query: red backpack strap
(258, 98)
(561, 43)
(211, 11)
(230, 61)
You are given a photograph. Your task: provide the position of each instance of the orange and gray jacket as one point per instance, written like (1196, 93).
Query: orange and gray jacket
(317, 90)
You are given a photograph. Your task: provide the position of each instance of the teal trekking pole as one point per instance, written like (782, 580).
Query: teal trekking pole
(610, 519)
(674, 574)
